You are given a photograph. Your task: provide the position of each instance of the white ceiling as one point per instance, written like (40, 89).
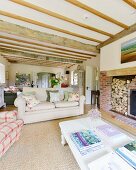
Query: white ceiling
(115, 9)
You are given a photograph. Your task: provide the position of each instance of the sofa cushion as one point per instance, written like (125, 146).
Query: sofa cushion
(66, 104)
(41, 106)
(31, 100)
(54, 97)
(48, 93)
(73, 97)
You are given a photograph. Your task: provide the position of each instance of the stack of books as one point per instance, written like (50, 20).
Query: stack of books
(128, 153)
(110, 161)
(86, 141)
(109, 131)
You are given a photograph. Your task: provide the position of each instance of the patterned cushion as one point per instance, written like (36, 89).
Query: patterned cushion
(8, 116)
(31, 100)
(73, 97)
(54, 97)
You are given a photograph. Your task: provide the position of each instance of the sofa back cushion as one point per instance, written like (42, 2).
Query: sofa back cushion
(40, 93)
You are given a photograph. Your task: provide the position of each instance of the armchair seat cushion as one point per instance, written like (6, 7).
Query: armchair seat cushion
(41, 106)
(66, 104)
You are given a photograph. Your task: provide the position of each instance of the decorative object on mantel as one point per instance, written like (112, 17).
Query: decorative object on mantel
(95, 115)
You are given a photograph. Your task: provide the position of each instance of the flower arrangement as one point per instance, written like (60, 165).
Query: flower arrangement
(55, 81)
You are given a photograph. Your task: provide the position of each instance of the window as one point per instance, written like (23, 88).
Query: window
(2, 73)
(74, 78)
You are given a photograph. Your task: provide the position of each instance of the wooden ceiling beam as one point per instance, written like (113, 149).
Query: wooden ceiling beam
(59, 16)
(11, 52)
(43, 51)
(132, 3)
(118, 36)
(26, 52)
(28, 61)
(23, 35)
(31, 21)
(97, 13)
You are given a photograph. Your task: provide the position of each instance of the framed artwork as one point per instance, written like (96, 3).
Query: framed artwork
(23, 79)
(128, 51)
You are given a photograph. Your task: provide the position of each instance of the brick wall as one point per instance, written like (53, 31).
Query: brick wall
(105, 91)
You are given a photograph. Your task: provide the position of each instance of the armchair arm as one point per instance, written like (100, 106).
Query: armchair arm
(81, 104)
(20, 103)
(8, 116)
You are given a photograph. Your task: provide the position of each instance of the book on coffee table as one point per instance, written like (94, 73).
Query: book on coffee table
(86, 141)
(128, 153)
(109, 130)
(110, 161)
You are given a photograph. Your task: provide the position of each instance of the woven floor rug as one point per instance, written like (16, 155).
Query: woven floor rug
(39, 148)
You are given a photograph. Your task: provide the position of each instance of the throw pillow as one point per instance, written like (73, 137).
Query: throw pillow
(31, 100)
(66, 95)
(73, 97)
(54, 97)
(48, 94)
(8, 116)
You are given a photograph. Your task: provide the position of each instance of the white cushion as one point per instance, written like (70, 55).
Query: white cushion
(66, 104)
(41, 106)
(54, 97)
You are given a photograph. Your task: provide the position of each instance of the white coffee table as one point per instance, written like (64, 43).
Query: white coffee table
(67, 127)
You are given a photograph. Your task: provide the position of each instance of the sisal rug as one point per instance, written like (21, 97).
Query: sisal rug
(39, 148)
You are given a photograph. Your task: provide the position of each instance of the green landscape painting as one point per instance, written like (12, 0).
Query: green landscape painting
(128, 51)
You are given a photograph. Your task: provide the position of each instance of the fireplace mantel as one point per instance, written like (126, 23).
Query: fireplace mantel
(122, 72)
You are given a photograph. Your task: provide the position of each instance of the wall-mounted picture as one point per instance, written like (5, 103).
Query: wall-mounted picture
(128, 51)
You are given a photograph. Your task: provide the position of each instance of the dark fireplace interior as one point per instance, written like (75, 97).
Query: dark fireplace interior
(133, 102)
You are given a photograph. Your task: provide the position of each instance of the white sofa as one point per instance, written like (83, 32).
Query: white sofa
(47, 110)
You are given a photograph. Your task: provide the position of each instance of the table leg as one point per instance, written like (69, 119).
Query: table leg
(63, 140)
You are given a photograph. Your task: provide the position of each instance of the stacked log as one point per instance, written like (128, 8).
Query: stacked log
(119, 95)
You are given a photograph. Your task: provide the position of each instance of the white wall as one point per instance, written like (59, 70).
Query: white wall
(110, 55)
(30, 69)
(6, 64)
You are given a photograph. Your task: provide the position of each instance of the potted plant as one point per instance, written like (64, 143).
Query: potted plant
(55, 81)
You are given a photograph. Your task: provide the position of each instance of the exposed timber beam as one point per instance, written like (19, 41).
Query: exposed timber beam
(121, 34)
(41, 24)
(59, 16)
(42, 51)
(44, 39)
(97, 13)
(132, 3)
(12, 53)
(26, 52)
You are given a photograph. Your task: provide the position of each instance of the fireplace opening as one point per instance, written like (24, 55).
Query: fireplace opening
(133, 102)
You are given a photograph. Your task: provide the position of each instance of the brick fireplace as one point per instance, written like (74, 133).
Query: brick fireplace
(128, 92)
